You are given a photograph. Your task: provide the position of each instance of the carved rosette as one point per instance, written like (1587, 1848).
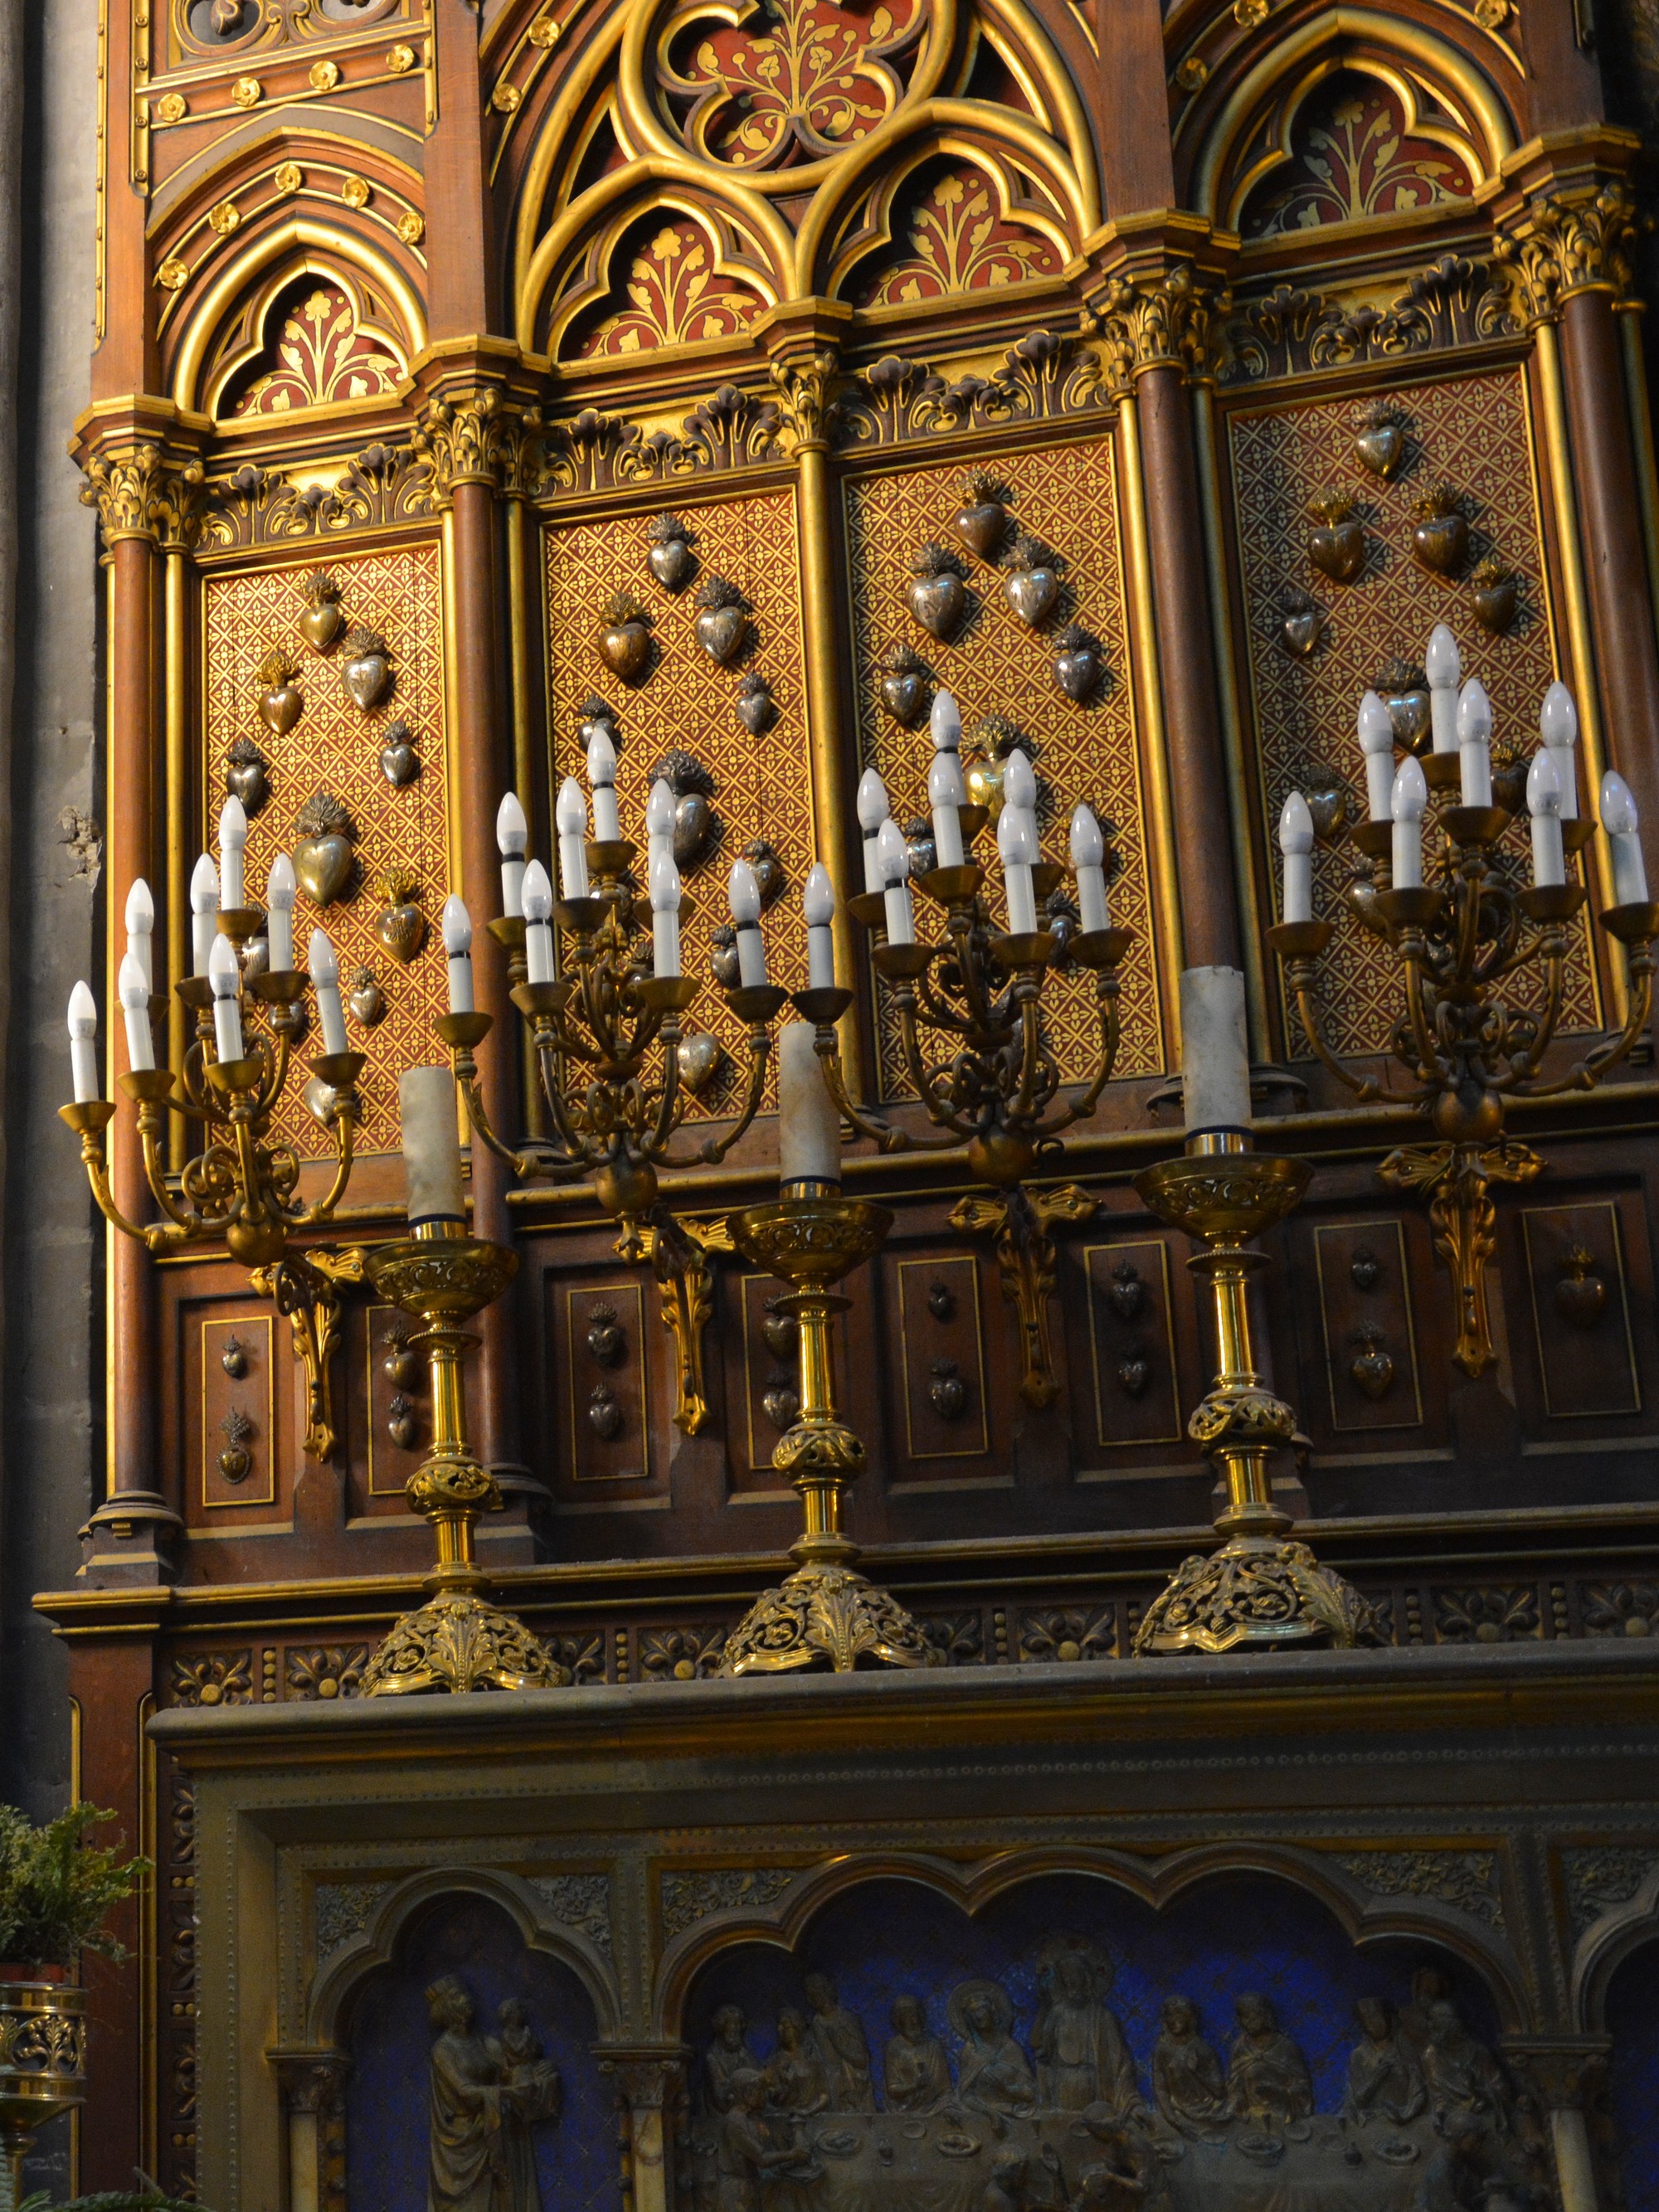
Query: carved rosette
(824, 1616)
(1568, 241)
(457, 1643)
(1255, 1590)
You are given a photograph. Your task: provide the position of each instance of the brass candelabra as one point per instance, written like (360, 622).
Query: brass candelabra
(242, 1185)
(825, 1613)
(456, 1642)
(1463, 941)
(980, 989)
(1258, 1590)
(42, 2072)
(605, 1035)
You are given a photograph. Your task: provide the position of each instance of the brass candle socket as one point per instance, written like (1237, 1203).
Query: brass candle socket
(456, 1642)
(1257, 1590)
(43, 2036)
(825, 1614)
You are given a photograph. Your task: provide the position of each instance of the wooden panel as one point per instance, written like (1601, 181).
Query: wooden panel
(771, 1368)
(600, 1394)
(942, 1358)
(236, 1432)
(399, 1400)
(1372, 1377)
(1580, 1301)
(1135, 1371)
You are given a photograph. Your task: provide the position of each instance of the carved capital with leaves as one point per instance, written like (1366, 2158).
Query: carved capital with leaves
(807, 385)
(1159, 321)
(478, 437)
(1568, 2075)
(1580, 238)
(128, 485)
(312, 2081)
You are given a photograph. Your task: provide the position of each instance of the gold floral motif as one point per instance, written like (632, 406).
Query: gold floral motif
(172, 276)
(322, 357)
(400, 60)
(544, 31)
(224, 218)
(1357, 162)
(411, 227)
(506, 96)
(289, 177)
(172, 107)
(815, 81)
(354, 191)
(957, 244)
(246, 92)
(678, 298)
(1193, 74)
(325, 76)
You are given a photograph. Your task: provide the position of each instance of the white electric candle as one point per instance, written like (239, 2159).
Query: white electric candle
(809, 1127)
(873, 811)
(945, 724)
(1215, 1059)
(893, 859)
(1017, 842)
(659, 809)
(743, 890)
(1443, 666)
(664, 887)
(325, 982)
(511, 838)
(1409, 805)
(537, 916)
(1089, 868)
(225, 973)
(1558, 725)
(456, 926)
(570, 819)
(135, 1006)
(1549, 863)
(1377, 742)
(1623, 825)
(1296, 842)
(947, 794)
(1475, 744)
(83, 1044)
(203, 913)
(280, 891)
(601, 776)
(233, 844)
(431, 1145)
(141, 930)
(818, 904)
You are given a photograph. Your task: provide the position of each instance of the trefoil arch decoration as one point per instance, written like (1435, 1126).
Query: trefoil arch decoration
(320, 354)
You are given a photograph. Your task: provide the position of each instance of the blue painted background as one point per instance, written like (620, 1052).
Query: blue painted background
(1633, 2075)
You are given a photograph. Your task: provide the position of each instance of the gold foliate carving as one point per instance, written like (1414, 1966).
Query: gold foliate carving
(1569, 242)
(180, 503)
(807, 386)
(400, 60)
(172, 276)
(411, 228)
(354, 191)
(224, 218)
(172, 107)
(126, 488)
(246, 92)
(1160, 321)
(289, 177)
(473, 438)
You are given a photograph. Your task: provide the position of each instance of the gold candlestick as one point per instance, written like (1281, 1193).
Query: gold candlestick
(1257, 1589)
(455, 1642)
(44, 2028)
(824, 1614)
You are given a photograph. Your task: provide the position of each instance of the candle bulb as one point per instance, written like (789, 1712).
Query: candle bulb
(1017, 842)
(1296, 842)
(665, 887)
(893, 859)
(1549, 863)
(233, 844)
(946, 795)
(280, 891)
(1443, 666)
(135, 1006)
(945, 724)
(601, 776)
(141, 930)
(1215, 1059)
(744, 892)
(818, 904)
(1558, 725)
(1409, 805)
(873, 811)
(1377, 742)
(1623, 824)
(225, 973)
(203, 913)
(538, 915)
(1089, 868)
(325, 982)
(570, 819)
(809, 1126)
(512, 837)
(431, 1141)
(659, 810)
(1475, 744)
(456, 926)
(83, 1044)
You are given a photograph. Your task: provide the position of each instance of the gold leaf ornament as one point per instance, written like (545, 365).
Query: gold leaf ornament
(411, 227)
(354, 191)
(172, 276)
(400, 60)
(172, 107)
(224, 218)
(325, 76)
(246, 92)
(289, 177)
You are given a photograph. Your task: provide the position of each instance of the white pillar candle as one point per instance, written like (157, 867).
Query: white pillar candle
(1443, 665)
(809, 1126)
(280, 891)
(1089, 868)
(945, 724)
(1558, 725)
(744, 892)
(1409, 805)
(1475, 744)
(135, 1006)
(570, 819)
(511, 838)
(203, 913)
(1215, 1059)
(1623, 825)
(1377, 742)
(456, 926)
(818, 904)
(1017, 848)
(83, 1044)
(1549, 862)
(538, 917)
(431, 1145)
(225, 973)
(1296, 842)
(601, 776)
(141, 930)
(665, 887)
(873, 811)
(233, 844)
(946, 793)
(893, 861)
(659, 810)
(325, 982)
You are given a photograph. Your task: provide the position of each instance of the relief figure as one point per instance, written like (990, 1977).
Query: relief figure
(1429, 1987)
(1385, 2081)
(727, 2056)
(917, 2073)
(1081, 2056)
(749, 2153)
(842, 2046)
(993, 2075)
(796, 2082)
(1464, 2080)
(1188, 2087)
(487, 2095)
(1268, 2080)
(1123, 2175)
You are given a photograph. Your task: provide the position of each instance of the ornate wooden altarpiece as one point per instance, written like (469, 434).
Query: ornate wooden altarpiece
(427, 313)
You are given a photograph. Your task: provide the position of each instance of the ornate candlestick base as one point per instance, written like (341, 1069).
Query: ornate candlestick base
(456, 1641)
(1257, 1589)
(824, 1614)
(43, 2025)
